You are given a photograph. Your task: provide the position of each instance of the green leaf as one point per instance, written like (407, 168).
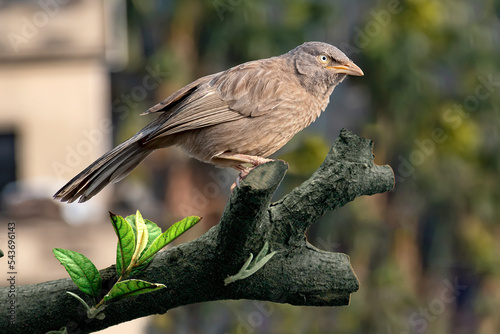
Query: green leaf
(131, 220)
(129, 288)
(126, 243)
(81, 270)
(141, 239)
(250, 267)
(153, 230)
(263, 252)
(167, 237)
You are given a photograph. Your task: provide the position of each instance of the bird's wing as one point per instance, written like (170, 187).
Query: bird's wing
(255, 88)
(248, 90)
(176, 98)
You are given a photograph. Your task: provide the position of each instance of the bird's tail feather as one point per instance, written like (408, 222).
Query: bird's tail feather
(111, 167)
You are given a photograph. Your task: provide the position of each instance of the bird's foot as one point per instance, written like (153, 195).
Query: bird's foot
(243, 159)
(243, 173)
(249, 159)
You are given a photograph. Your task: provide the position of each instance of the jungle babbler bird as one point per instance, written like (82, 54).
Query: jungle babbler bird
(231, 118)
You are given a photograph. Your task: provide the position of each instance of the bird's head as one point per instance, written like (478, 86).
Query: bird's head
(321, 66)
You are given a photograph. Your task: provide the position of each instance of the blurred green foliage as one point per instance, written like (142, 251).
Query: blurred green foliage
(426, 254)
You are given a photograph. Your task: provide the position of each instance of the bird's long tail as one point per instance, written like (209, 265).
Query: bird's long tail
(111, 167)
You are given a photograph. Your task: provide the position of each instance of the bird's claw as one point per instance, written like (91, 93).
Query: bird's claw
(244, 171)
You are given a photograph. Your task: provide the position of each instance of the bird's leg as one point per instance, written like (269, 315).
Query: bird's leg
(250, 159)
(243, 173)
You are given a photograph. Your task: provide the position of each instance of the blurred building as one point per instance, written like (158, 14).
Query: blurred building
(55, 59)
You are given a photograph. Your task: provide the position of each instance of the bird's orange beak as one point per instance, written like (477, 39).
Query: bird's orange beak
(350, 68)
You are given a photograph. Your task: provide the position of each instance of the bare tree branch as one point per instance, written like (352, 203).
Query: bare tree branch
(194, 272)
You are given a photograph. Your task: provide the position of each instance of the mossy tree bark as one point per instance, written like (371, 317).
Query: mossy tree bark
(194, 272)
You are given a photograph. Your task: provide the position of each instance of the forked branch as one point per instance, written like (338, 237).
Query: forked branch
(194, 272)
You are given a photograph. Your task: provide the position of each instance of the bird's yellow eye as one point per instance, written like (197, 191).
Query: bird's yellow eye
(323, 58)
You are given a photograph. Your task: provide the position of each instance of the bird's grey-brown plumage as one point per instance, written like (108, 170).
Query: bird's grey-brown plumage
(231, 118)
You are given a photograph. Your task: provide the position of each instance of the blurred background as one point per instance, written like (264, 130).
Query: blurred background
(74, 76)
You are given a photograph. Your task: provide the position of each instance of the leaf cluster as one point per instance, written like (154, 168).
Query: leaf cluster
(139, 240)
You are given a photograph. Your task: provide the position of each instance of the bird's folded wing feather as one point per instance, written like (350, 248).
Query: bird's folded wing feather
(170, 102)
(255, 88)
(248, 90)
